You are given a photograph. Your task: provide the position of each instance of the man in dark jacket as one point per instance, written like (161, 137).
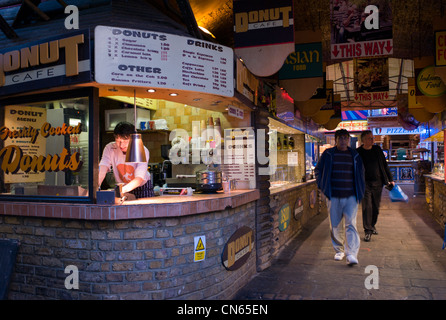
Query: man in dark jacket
(377, 174)
(340, 177)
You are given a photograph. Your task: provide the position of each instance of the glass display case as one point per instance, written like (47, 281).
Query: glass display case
(286, 153)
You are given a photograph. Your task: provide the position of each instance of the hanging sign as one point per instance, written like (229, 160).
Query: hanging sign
(440, 48)
(371, 79)
(238, 248)
(429, 83)
(304, 62)
(56, 61)
(360, 30)
(159, 60)
(263, 34)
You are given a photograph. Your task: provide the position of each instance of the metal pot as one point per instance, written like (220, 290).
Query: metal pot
(209, 180)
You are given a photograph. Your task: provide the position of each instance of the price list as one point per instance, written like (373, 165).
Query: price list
(158, 60)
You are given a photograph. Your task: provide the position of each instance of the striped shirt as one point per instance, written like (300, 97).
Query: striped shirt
(342, 180)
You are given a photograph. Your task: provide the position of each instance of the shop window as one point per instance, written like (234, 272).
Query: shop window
(44, 149)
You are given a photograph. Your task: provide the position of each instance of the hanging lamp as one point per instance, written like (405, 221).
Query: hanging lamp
(135, 151)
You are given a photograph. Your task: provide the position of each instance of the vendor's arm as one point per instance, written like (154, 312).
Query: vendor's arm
(135, 183)
(102, 173)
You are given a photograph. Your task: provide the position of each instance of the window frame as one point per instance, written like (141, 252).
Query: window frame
(92, 94)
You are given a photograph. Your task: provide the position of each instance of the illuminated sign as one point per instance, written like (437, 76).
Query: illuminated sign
(429, 83)
(385, 131)
(57, 61)
(440, 48)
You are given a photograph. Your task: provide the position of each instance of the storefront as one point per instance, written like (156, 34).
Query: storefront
(58, 110)
(60, 99)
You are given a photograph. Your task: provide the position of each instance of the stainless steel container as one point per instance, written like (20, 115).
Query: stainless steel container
(209, 180)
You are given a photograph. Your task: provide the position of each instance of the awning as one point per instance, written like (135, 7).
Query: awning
(438, 137)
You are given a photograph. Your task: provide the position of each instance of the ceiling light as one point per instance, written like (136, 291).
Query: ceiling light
(173, 94)
(206, 31)
(151, 90)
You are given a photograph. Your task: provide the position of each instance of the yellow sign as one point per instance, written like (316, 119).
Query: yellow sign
(429, 83)
(199, 248)
(440, 48)
(413, 103)
(200, 245)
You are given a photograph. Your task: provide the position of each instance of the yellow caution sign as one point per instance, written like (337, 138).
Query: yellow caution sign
(199, 248)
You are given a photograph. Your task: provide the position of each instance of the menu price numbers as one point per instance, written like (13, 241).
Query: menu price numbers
(112, 47)
(165, 46)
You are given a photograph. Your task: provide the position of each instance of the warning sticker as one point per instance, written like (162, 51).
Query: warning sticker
(199, 248)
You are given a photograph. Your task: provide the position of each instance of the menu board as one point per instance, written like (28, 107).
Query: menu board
(239, 156)
(160, 60)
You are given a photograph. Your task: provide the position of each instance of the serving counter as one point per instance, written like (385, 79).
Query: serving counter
(402, 171)
(293, 205)
(142, 249)
(436, 197)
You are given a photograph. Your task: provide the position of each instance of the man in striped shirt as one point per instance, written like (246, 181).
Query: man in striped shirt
(340, 176)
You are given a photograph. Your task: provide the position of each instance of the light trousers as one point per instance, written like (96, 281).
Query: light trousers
(342, 216)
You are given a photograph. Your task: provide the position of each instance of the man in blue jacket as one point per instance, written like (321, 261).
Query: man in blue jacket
(341, 178)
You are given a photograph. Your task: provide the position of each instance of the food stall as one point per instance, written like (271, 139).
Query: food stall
(435, 181)
(53, 131)
(294, 196)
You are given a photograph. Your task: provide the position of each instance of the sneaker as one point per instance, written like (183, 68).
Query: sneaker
(367, 237)
(339, 256)
(351, 260)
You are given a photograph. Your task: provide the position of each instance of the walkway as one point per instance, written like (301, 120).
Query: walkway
(410, 263)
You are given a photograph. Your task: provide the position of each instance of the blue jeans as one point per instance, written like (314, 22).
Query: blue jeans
(342, 216)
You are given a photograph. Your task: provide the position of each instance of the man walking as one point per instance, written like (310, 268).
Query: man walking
(377, 174)
(340, 176)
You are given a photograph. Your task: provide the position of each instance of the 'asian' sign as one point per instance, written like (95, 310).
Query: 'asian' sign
(159, 60)
(304, 62)
(57, 61)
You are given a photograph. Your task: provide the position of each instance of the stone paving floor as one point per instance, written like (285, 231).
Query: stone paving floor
(406, 258)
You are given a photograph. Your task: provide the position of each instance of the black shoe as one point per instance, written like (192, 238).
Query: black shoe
(367, 237)
(375, 232)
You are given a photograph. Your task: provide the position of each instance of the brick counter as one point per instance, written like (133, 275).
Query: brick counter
(141, 255)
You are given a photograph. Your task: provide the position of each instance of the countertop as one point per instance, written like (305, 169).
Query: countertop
(156, 207)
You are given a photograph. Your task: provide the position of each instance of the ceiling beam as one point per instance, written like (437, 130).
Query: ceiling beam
(7, 30)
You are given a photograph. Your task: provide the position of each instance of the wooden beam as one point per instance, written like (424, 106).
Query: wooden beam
(7, 30)
(37, 10)
(62, 3)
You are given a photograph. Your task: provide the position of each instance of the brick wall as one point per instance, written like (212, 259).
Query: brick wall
(127, 259)
(296, 223)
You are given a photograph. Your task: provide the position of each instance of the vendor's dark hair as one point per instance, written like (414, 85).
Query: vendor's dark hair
(341, 132)
(124, 129)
